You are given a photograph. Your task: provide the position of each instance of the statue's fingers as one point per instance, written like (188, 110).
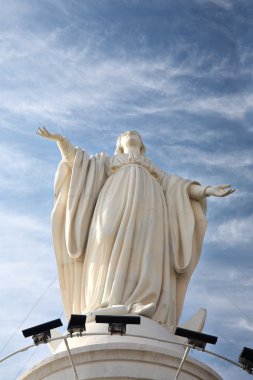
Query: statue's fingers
(40, 131)
(228, 192)
(226, 186)
(46, 131)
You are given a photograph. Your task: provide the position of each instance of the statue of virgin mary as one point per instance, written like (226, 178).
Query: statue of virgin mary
(127, 236)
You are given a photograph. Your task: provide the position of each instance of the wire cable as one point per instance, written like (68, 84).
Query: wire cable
(183, 344)
(25, 364)
(27, 316)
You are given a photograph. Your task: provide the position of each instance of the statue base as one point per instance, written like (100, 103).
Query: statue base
(141, 354)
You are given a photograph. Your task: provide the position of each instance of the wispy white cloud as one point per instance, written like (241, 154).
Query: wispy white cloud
(29, 288)
(245, 325)
(225, 4)
(234, 231)
(219, 289)
(222, 159)
(233, 164)
(20, 171)
(232, 106)
(76, 79)
(25, 240)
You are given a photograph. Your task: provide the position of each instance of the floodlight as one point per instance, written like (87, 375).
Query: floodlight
(117, 323)
(41, 333)
(196, 339)
(246, 359)
(76, 324)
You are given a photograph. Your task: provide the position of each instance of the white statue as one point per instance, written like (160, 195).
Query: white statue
(127, 236)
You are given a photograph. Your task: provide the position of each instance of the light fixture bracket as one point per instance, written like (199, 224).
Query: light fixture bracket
(117, 328)
(42, 338)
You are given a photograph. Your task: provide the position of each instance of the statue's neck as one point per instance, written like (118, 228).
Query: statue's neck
(132, 149)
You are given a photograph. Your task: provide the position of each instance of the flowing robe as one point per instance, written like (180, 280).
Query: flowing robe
(126, 235)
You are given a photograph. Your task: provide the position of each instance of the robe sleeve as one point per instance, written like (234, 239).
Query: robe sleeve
(67, 151)
(186, 229)
(76, 193)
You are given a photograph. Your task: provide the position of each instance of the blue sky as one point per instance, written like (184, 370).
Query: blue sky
(179, 72)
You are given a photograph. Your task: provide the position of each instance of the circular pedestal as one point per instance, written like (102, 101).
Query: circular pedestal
(141, 354)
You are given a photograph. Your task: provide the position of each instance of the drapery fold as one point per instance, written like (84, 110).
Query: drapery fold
(125, 234)
(76, 190)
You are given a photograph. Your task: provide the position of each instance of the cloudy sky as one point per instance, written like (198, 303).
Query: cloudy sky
(179, 72)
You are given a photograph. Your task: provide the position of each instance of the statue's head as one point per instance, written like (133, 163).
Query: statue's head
(131, 136)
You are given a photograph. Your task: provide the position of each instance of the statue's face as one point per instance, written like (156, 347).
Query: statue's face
(130, 138)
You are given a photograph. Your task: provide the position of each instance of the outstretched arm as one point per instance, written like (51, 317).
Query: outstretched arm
(43, 132)
(67, 150)
(198, 192)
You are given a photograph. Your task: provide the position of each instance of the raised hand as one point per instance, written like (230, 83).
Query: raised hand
(43, 132)
(219, 190)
